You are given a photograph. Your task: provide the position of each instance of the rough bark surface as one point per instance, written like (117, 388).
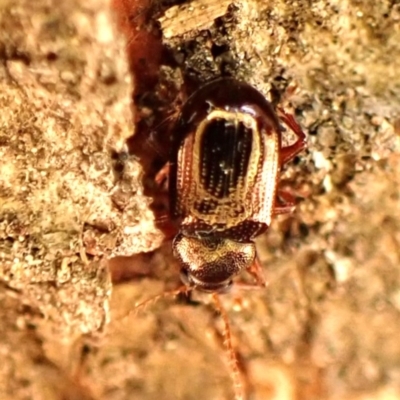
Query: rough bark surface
(326, 327)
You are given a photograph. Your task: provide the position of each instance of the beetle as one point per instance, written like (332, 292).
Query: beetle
(223, 173)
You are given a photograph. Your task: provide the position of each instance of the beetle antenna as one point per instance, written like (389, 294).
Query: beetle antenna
(233, 361)
(141, 306)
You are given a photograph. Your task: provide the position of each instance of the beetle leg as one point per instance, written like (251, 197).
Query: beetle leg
(162, 175)
(162, 218)
(285, 202)
(256, 271)
(289, 152)
(160, 206)
(168, 227)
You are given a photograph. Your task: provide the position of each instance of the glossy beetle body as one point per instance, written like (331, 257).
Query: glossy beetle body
(223, 174)
(225, 160)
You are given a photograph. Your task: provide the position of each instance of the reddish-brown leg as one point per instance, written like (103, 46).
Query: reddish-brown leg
(162, 217)
(289, 152)
(255, 269)
(168, 227)
(285, 202)
(162, 175)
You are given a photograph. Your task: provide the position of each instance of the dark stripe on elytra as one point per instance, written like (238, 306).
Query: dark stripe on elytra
(224, 156)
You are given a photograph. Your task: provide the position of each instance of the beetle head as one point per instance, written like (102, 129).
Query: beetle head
(209, 263)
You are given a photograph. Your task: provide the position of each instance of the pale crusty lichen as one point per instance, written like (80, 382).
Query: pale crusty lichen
(65, 100)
